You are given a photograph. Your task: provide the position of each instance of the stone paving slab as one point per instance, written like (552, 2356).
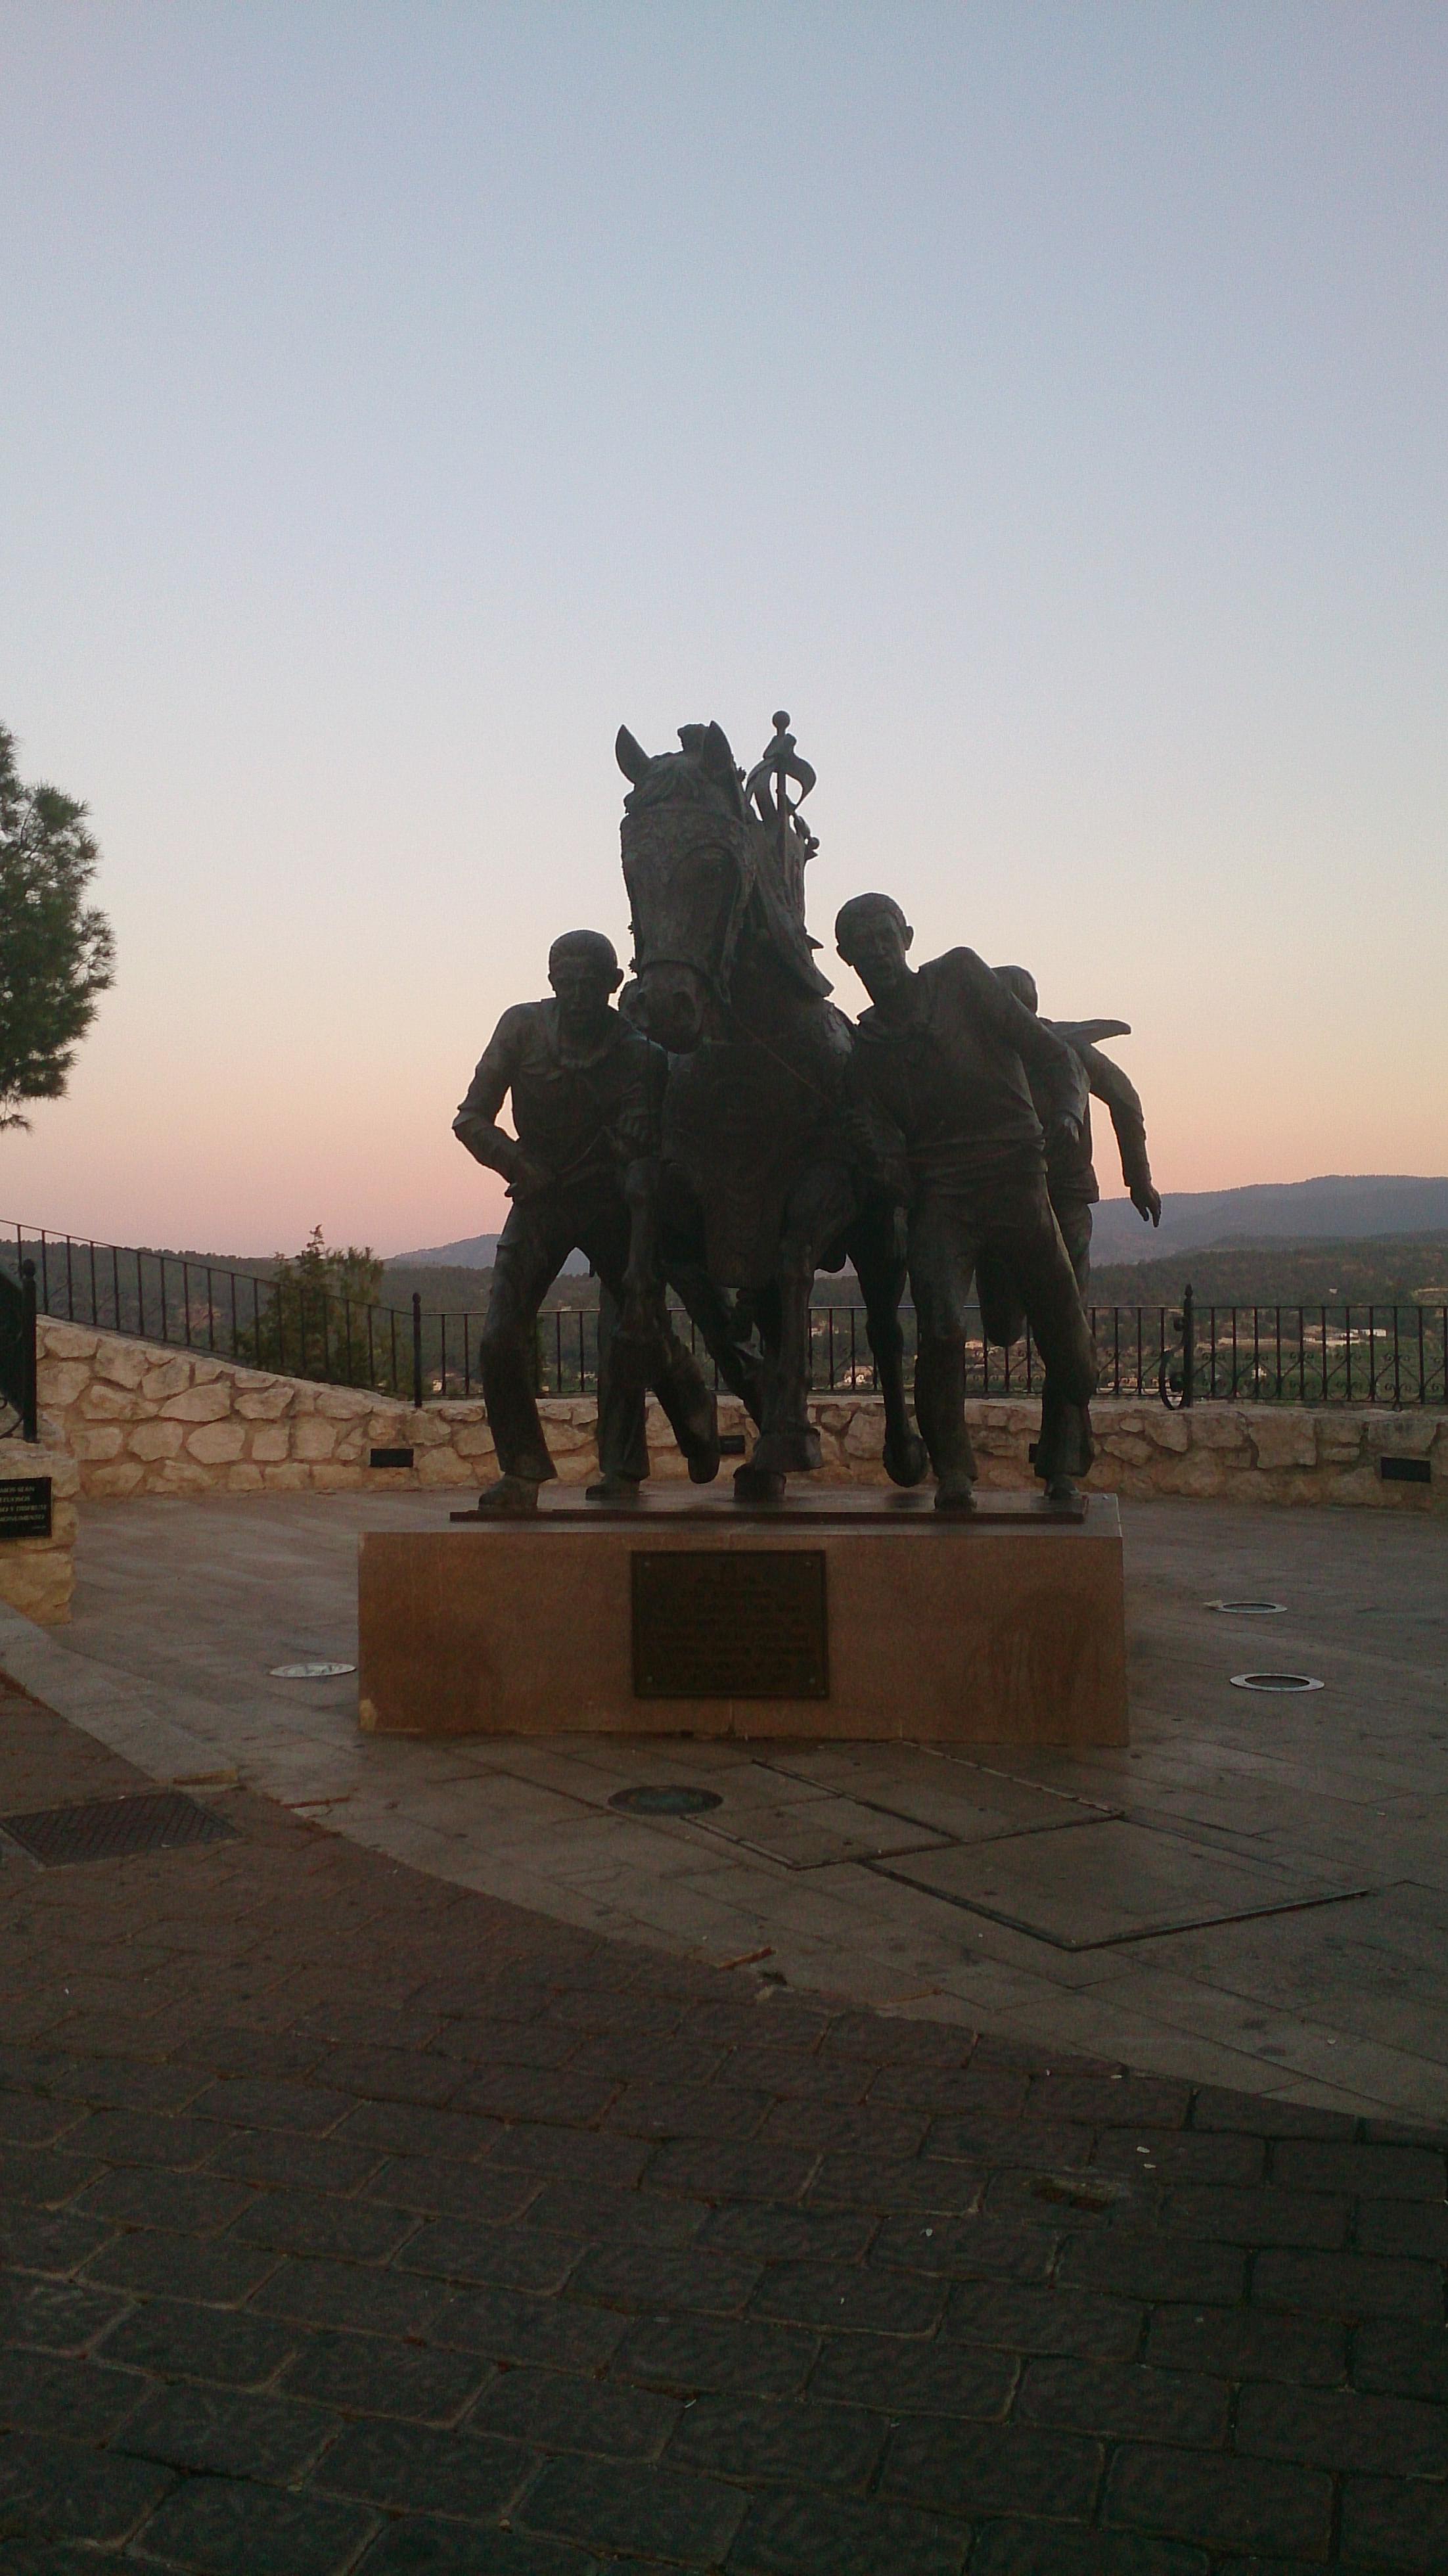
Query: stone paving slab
(357, 2223)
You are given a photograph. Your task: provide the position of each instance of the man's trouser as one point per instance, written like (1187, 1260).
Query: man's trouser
(1006, 1225)
(540, 1233)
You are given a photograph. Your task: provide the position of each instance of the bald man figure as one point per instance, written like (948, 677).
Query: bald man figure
(587, 1091)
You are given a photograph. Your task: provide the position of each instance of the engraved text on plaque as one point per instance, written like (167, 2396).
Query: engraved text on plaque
(730, 1623)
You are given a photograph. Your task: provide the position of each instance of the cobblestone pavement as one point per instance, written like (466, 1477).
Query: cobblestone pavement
(356, 2221)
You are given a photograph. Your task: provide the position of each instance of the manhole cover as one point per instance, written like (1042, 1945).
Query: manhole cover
(112, 1828)
(665, 1802)
(1274, 1682)
(1249, 1609)
(308, 1672)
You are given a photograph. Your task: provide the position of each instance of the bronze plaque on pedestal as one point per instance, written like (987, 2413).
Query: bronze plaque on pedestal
(736, 1623)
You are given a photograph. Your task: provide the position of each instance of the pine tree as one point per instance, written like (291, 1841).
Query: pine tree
(56, 951)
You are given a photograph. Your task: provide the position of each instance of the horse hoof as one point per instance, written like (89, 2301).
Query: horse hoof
(787, 1453)
(907, 1461)
(757, 1485)
(704, 1465)
(955, 1494)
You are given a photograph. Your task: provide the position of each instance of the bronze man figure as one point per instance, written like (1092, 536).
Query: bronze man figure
(942, 1058)
(586, 1094)
(1070, 1172)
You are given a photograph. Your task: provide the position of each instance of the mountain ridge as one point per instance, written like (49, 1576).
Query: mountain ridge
(1337, 1205)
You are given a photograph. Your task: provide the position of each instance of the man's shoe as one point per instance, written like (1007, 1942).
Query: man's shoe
(613, 1489)
(509, 1494)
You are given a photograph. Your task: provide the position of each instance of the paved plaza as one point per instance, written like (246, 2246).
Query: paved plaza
(358, 2224)
(440, 2170)
(1255, 1894)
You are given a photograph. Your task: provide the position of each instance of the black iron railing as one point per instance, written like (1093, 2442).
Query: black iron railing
(1380, 1355)
(18, 1416)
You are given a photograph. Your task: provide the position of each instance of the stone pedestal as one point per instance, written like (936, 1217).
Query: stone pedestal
(686, 1616)
(37, 1573)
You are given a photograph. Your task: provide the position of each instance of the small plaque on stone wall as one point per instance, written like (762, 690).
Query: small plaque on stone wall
(25, 1507)
(730, 1623)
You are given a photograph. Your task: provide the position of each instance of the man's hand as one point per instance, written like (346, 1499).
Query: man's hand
(1147, 1203)
(498, 1152)
(525, 1175)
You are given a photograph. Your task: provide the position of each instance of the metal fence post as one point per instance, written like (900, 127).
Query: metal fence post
(29, 1409)
(1189, 1346)
(417, 1350)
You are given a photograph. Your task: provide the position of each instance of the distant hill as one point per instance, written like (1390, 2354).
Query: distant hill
(472, 1252)
(1377, 1270)
(1340, 1207)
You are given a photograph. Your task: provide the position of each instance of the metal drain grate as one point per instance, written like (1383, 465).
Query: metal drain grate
(665, 1801)
(113, 1828)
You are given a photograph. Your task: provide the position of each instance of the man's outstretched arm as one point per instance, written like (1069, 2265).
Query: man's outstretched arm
(1119, 1093)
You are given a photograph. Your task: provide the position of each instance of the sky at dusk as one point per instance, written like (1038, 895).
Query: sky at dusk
(1044, 403)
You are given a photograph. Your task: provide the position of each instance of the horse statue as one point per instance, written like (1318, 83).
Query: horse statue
(761, 1180)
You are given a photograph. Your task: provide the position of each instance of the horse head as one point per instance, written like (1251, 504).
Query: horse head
(689, 864)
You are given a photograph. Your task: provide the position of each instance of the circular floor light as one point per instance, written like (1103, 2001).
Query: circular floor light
(670, 1801)
(1275, 1682)
(308, 1672)
(1249, 1609)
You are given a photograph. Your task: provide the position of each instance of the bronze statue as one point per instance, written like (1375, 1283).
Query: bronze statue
(759, 1184)
(586, 1094)
(945, 1060)
(1070, 1171)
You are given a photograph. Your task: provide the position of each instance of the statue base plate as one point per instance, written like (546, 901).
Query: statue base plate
(843, 1615)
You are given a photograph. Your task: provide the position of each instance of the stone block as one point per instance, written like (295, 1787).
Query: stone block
(102, 1403)
(61, 1382)
(156, 1439)
(1168, 1431)
(1128, 1445)
(243, 1479)
(473, 1440)
(1218, 1426)
(217, 1444)
(288, 1478)
(166, 1379)
(118, 1476)
(336, 1476)
(313, 1437)
(199, 1404)
(1400, 1435)
(443, 1466)
(265, 1400)
(40, 1586)
(97, 1439)
(344, 1403)
(182, 1476)
(1286, 1439)
(270, 1441)
(124, 1363)
(1198, 1473)
(865, 1437)
(65, 1341)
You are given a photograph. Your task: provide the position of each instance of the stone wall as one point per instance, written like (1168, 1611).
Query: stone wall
(140, 1420)
(37, 1575)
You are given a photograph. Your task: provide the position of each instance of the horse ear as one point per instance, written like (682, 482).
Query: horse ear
(716, 756)
(632, 759)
